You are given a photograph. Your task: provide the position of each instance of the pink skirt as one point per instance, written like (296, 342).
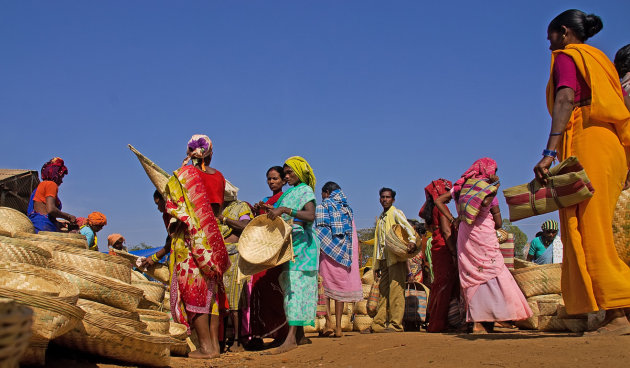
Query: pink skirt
(498, 299)
(341, 283)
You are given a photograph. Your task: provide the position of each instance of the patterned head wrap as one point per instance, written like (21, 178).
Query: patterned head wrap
(113, 238)
(434, 190)
(54, 170)
(480, 169)
(199, 147)
(303, 170)
(550, 225)
(96, 219)
(230, 192)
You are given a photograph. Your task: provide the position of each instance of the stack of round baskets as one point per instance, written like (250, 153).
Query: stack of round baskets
(541, 286)
(361, 319)
(54, 271)
(12, 221)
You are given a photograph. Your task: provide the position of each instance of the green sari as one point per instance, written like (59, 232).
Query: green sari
(299, 280)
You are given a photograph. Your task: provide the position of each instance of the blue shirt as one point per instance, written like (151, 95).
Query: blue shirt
(91, 237)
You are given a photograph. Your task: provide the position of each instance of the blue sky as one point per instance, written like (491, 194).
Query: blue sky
(371, 93)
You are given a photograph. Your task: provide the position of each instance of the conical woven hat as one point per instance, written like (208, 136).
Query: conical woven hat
(284, 255)
(262, 239)
(158, 177)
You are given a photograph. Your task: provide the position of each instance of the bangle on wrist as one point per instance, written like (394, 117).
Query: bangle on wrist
(155, 258)
(550, 153)
(293, 213)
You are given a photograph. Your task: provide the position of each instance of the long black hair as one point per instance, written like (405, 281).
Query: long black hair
(622, 60)
(583, 25)
(427, 211)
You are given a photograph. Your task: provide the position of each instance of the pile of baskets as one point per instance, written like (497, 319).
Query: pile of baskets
(541, 286)
(85, 300)
(361, 319)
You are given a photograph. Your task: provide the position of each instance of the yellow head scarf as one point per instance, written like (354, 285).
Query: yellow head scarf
(303, 170)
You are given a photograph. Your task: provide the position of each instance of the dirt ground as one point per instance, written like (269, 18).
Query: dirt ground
(413, 349)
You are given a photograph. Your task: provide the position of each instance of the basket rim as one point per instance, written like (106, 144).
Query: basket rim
(105, 281)
(67, 290)
(27, 244)
(254, 247)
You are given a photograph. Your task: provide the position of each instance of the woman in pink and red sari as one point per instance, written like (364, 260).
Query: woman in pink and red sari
(194, 195)
(489, 290)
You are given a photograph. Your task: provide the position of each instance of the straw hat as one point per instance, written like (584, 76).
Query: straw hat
(158, 177)
(13, 220)
(264, 244)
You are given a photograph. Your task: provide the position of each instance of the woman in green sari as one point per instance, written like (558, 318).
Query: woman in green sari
(299, 279)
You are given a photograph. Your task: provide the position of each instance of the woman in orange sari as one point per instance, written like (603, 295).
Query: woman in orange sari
(589, 120)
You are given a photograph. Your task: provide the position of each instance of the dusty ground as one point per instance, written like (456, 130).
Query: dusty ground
(414, 349)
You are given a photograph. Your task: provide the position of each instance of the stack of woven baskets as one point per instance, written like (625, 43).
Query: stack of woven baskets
(54, 270)
(541, 286)
(361, 319)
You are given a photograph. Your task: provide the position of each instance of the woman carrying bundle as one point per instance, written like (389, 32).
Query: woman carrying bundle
(299, 279)
(490, 292)
(590, 121)
(194, 195)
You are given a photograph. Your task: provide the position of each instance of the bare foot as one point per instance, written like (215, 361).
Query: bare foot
(478, 329)
(305, 341)
(202, 354)
(283, 348)
(615, 326)
(338, 332)
(237, 348)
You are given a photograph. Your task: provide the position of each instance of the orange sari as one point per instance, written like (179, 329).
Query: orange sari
(593, 275)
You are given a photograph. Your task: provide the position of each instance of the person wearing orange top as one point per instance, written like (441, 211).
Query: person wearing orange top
(590, 121)
(92, 225)
(45, 207)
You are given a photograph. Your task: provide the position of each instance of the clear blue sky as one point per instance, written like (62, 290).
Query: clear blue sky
(371, 93)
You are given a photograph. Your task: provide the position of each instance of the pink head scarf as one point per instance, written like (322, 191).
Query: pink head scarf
(480, 169)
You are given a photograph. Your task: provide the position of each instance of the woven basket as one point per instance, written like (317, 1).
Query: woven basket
(35, 353)
(502, 235)
(368, 277)
(179, 348)
(562, 314)
(366, 290)
(37, 281)
(575, 325)
(127, 323)
(99, 288)
(158, 177)
(15, 331)
(100, 335)
(52, 317)
(361, 322)
(23, 251)
(95, 307)
(361, 307)
(158, 271)
(521, 263)
(149, 304)
(63, 234)
(264, 244)
(539, 280)
(137, 276)
(90, 261)
(177, 331)
(396, 241)
(158, 322)
(48, 241)
(319, 325)
(15, 221)
(551, 323)
(153, 291)
(530, 323)
(621, 226)
(548, 307)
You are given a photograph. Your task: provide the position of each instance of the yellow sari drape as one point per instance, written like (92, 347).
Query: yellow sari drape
(593, 275)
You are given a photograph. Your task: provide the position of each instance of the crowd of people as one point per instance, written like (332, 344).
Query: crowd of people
(458, 253)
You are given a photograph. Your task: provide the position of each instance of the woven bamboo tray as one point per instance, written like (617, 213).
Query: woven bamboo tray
(368, 277)
(15, 331)
(521, 263)
(91, 261)
(551, 323)
(38, 281)
(621, 226)
(106, 309)
(137, 276)
(35, 353)
(366, 290)
(157, 322)
(360, 307)
(52, 317)
(179, 348)
(153, 291)
(13, 221)
(63, 235)
(158, 271)
(130, 324)
(539, 280)
(99, 288)
(51, 241)
(98, 335)
(23, 251)
(149, 304)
